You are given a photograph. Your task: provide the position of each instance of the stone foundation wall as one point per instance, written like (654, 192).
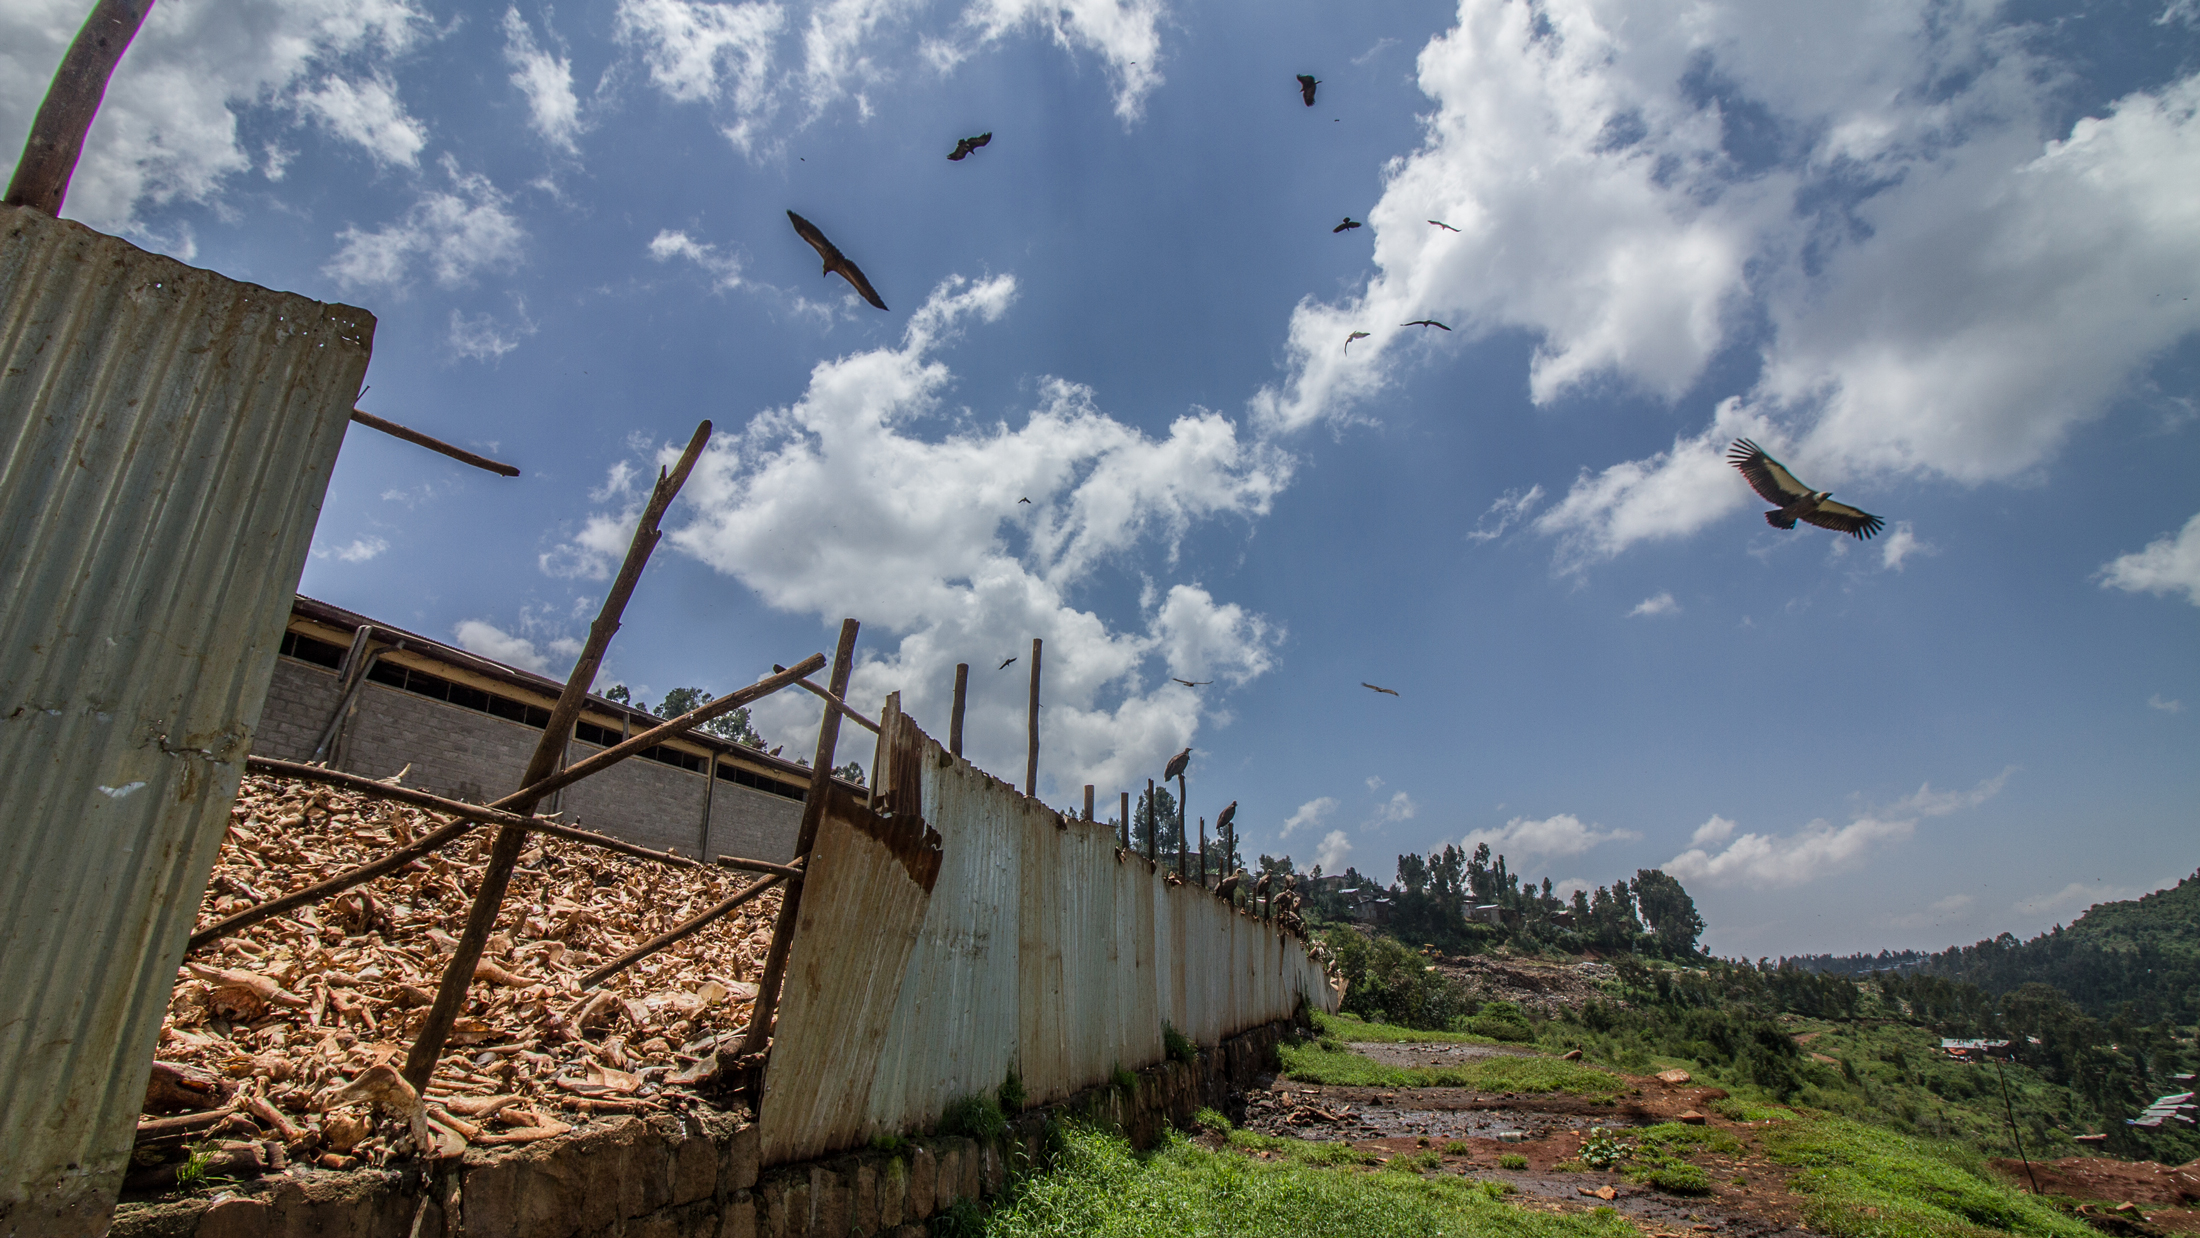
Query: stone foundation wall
(691, 1176)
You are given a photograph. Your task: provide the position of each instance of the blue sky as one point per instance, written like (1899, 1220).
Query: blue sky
(1936, 257)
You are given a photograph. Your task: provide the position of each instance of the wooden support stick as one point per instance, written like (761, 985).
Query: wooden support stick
(471, 815)
(760, 866)
(1203, 853)
(1126, 821)
(813, 815)
(496, 876)
(1088, 801)
(836, 702)
(955, 715)
(411, 435)
(1180, 842)
(1153, 829)
(1031, 727)
(685, 931)
(42, 175)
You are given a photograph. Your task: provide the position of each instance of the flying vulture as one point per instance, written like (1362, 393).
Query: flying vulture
(1441, 224)
(1796, 501)
(1386, 691)
(1306, 88)
(1189, 684)
(1023, 500)
(1223, 818)
(1425, 322)
(1177, 763)
(835, 261)
(1356, 335)
(1005, 665)
(963, 146)
(1348, 224)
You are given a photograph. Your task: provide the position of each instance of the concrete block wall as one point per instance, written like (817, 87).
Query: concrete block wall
(693, 1175)
(467, 754)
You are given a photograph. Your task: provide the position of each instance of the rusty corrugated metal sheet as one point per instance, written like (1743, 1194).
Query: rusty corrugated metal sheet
(168, 435)
(1039, 947)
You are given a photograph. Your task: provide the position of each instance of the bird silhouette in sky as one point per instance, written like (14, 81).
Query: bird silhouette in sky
(1441, 224)
(1385, 691)
(1306, 88)
(1189, 684)
(963, 146)
(1348, 225)
(1004, 666)
(1356, 335)
(1023, 500)
(1796, 501)
(835, 261)
(1425, 322)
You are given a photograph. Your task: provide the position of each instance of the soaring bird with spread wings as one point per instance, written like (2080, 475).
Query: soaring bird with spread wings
(1441, 224)
(1796, 501)
(835, 261)
(1356, 335)
(1005, 665)
(963, 146)
(1189, 684)
(1425, 322)
(1348, 225)
(1384, 691)
(1307, 83)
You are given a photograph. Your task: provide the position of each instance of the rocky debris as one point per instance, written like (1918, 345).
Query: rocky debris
(288, 1037)
(1536, 984)
(1676, 1077)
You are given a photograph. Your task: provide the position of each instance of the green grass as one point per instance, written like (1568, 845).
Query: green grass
(1512, 1072)
(1751, 1111)
(1100, 1187)
(1512, 1160)
(1679, 1180)
(1302, 1151)
(1681, 1139)
(1869, 1182)
(1344, 1027)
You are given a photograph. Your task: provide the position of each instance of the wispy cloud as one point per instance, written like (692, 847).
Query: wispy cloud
(1902, 543)
(1559, 834)
(1312, 813)
(547, 82)
(2170, 564)
(1510, 509)
(457, 233)
(358, 550)
(1662, 604)
(1806, 855)
(724, 269)
(2166, 706)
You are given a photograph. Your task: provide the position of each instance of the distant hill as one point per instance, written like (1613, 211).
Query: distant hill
(2144, 950)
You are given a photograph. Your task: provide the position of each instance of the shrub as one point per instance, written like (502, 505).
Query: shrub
(1458, 1147)
(1124, 1081)
(977, 1116)
(1210, 1120)
(1414, 1162)
(1179, 1046)
(1680, 1179)
(1011, 1093)
(1512, 1160)
(1605, 1149)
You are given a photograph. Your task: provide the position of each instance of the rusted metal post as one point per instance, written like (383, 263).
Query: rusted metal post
(42, 175)
(955, 716)
(411, 435)
(1126, 821)
(496, 876)
(1153, 829)
(1181, 797)
(1088, 801)
(1031, 727)
(813, 815)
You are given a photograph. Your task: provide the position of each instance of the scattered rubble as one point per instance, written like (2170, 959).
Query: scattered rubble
(1536, 984)
(284, 1043)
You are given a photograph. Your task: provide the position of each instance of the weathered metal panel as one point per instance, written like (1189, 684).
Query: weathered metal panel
(1040, 948)
(166, 437)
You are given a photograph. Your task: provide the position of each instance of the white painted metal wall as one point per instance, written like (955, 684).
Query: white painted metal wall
(1038, 947)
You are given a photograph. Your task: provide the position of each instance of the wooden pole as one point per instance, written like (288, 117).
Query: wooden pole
(1180, 798)
(1031, 727)
(1088, 801)
(841, 705)
(42, 175)
(813, 815)
(683, 932)
(1153, 829)
(1126, 821)
(496, 877)
(1203, 853)
(955, 718)
(411, 435)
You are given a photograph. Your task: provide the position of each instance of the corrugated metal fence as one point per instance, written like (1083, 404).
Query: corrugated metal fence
(934, 955)
(166, 436)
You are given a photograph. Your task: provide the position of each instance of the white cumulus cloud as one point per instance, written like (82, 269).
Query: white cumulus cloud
(358, 550)
(723, 268)
(1662, 604)
(699, 52)
(546, 80)
(2168, 565)
(1559, 834)
(1336, 848)
(483, 338)
(1312, 813)
(456, 233)
(490, 641)
(866, 498)
(369, 114)
(1817, 850)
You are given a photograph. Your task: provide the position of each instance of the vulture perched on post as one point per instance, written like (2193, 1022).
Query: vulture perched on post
(1794, 500)
(1177, 764)
(1229, 887)
(1227, 815)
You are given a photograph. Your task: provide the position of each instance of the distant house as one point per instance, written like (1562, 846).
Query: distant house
(1975, 1050)
(1495, 916)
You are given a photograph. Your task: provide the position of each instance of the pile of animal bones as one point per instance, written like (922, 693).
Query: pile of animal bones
(286, 1040)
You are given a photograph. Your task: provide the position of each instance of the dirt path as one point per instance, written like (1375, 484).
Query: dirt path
(1749, 1198)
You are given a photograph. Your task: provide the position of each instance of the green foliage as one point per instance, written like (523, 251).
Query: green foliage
(1342, 1029)
(1502, 1021)
(891, 1145)
(1746, 1111)
(1604, 1149)
(1414, 1162)
(1011, 1093)
(733, 725)
(1101, 1187)
(1682, 1179)
(1457, 1147)
(1211, 1120)
(1178, 1045)
(1867, 1182)
(1303, 1151)
(1123, 1081)
(1512, 1160)
(1384, 980)
(977, 1115)
(192, 1175)
(1511, 1072)
(851, 772)
(1679, 1139)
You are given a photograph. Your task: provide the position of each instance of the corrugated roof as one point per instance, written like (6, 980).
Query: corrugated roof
(169, 434)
